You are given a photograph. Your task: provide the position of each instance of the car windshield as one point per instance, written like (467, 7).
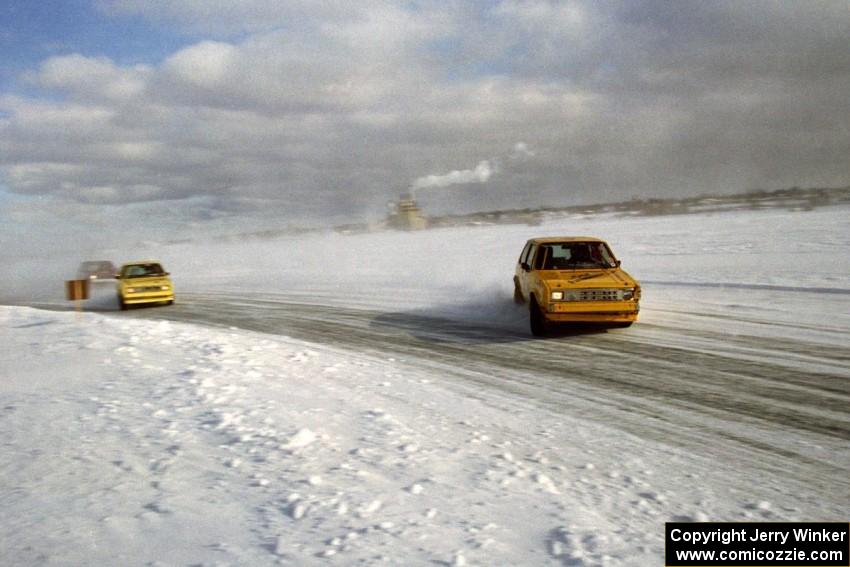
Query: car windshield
(142, 270)
(575, 255)
(96, 266)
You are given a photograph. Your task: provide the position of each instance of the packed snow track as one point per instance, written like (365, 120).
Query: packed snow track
(715, 383)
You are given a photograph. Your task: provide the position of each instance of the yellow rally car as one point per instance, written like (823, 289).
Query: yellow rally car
(574, 279)
(144, 282)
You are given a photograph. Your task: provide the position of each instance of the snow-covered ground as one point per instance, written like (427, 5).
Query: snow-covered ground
(463, 265)
(134, 441)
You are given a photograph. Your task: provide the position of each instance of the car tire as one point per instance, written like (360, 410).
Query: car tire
(170, 302)
(623, 325)
(123, 305)
(537, 321)
(518, 298)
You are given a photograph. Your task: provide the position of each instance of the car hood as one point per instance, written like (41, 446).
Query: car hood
(141, 282)
(587, 279)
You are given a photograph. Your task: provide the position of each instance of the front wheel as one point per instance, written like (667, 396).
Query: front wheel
(538, 323)
(123, 305)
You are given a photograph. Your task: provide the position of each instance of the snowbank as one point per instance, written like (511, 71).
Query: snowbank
(137, 442)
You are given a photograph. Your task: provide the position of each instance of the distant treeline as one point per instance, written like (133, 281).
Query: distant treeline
(795, 198)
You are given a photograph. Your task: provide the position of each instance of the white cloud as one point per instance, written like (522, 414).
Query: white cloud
(549, 17)
(92, 78)
(335, 106)
(480, 174)
(207, 64)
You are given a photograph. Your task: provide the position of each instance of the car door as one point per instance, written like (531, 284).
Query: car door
(524, 268)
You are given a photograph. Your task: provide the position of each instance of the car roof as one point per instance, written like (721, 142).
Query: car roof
(554, 239)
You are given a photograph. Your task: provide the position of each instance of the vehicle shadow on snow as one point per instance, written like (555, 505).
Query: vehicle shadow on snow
(103, 297)
(474, 323)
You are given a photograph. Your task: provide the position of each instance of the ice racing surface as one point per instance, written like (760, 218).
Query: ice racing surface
(377, 398)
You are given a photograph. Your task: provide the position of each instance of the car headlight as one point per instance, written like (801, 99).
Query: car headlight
(629, 293)
(163, 287)
(557, 295)
(131, 290)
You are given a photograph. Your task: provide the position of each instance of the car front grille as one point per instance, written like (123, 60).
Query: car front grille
(603, 294)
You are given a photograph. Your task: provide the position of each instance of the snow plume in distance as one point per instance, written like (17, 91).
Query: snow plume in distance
(481, 173)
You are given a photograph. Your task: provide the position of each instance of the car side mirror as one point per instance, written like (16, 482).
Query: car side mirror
(618, 262)
(117, 276)
(525, 266)
(167, 273)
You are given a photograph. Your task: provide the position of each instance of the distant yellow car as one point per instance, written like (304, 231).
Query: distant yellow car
(574, 279)
(96, 270)
(144, 282)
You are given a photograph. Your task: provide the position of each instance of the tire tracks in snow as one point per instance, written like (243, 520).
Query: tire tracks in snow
(730, 394)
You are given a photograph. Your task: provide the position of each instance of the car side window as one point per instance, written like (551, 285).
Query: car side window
(540, 257)
(531, 252)
(523, 257)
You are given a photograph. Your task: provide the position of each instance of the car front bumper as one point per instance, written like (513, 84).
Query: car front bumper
(147, 297)
(595, 311)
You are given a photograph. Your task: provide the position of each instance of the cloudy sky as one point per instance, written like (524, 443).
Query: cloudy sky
(245, 113)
